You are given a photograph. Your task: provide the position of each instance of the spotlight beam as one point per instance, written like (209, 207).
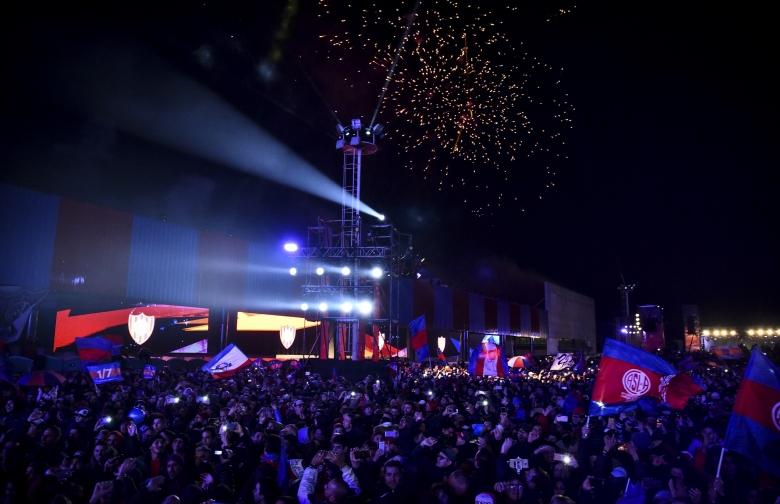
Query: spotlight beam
(164, 106)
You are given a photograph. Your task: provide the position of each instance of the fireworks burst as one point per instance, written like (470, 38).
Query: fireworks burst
(470, 111)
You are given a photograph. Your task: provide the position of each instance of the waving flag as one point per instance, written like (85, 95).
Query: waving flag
(96, 349)
(686, 364)
(488, 359)
(392, 369)
(579, 368)
(754, 428)
(419, 333)
(149, 372)
(628, 375)
(227, 362)
(441, 355)
(562, 361)
(104, 373)
(728, 352)
(456, 344)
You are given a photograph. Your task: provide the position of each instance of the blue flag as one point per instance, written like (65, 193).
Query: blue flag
(456, 344)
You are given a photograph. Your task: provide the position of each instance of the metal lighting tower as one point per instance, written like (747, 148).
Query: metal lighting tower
(626, 329)
(353, 268)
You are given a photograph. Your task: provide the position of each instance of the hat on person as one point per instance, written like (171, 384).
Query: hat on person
(299, 402)
(450, 454)
(578, 411)
(619, 472)
(484, 498)
(81, 455)
(515, 400)
(85, 412)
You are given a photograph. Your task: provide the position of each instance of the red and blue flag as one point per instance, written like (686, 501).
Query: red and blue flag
(419, 332)
(754, 428)
(96, 349)
(488, 359)
(728, 352)
(579, 368)
(149, 372)
(630, 377)
(105, 373)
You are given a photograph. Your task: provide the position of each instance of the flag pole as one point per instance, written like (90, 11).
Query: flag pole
(628, 484)
(720, 462)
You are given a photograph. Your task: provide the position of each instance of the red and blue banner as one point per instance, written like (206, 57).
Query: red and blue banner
(96, 349)
(630, 377)
(754, 428)
(728, 352)
(149, 372)
(488, 359)
(105, 373)
(419, 332)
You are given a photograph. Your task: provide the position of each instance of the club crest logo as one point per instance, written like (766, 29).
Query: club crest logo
(776, 416)
(141, 327)
(636, 384)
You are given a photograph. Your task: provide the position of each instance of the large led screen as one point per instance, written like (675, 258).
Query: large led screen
(161, 328)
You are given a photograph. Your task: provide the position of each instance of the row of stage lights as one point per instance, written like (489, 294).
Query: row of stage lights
(375, 272)
(750, 332)
(364, 307)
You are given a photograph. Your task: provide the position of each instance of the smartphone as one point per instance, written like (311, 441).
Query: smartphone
(503, 410)
(382, 445)
(217, 452)
(362, 454)
(561, 419)
(64, 473)
(622, 447)
(597, 482)
(391, 434)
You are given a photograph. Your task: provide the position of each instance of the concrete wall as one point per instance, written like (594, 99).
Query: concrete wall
(569, 316)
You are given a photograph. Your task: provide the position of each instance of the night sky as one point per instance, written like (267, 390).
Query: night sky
(651, 153)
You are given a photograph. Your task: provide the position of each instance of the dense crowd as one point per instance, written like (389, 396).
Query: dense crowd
(431, 435)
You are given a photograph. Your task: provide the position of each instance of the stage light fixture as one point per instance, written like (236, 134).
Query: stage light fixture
(381, 217)
(320, 271)
(364, 307)
(293, 271)
(345, 271)
(346, 307)
(290, 247)
(376, 272)
(304, 306)
(323, 306)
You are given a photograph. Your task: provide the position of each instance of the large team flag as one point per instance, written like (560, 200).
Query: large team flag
(96, 349)
(487, 359)
(728, 352)
(754, 428)
(629, 377)
(562, 361)
(227, 362)
(104, 373)
(419, 332)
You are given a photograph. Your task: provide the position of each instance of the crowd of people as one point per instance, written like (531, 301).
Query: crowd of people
(430, 435)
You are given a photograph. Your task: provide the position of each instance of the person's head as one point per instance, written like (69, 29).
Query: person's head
(175, 467)
(202, 454)
(537, 479)
(407, 408)
(513, 490)
(340, 444)
(458, 482)
(10, 406)
(100, 452)
(446, 458)
(116, 439)
(393, 474)
(36, 428)
(208, 435)
(484, 459)
(561, 499)
(336, 490)
(158, 423)
(522, 434)
(51, 435)
(265, 491)
(559, 487)
(158, 446)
